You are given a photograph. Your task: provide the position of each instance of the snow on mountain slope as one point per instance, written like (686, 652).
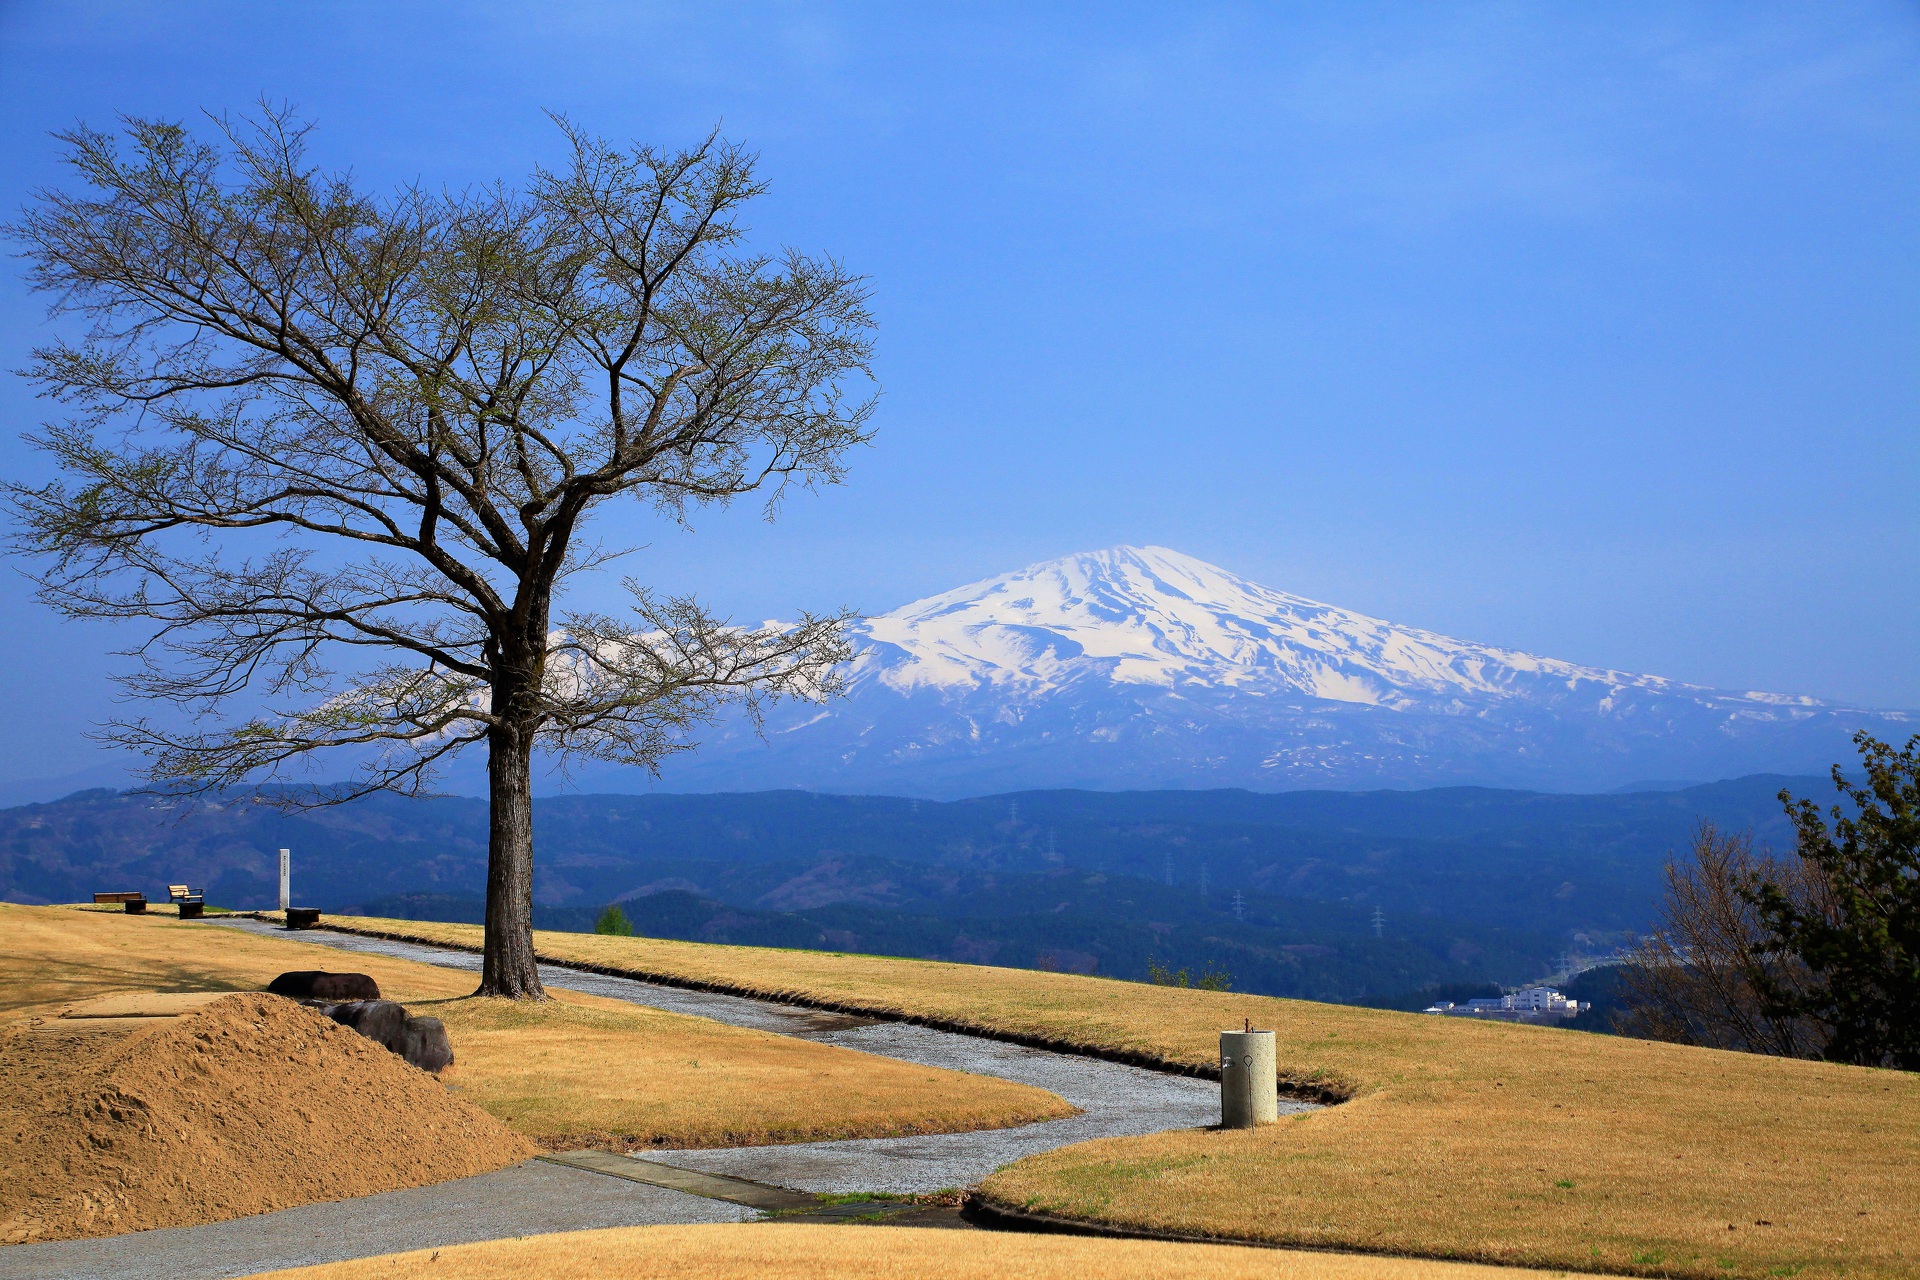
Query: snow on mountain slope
(1150, 616)
(1142, 667)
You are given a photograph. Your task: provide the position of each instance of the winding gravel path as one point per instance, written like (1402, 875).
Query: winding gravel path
(538, 1197)
(526, 1200)
(1114, 1100)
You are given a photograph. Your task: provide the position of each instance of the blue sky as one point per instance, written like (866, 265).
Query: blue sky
(1586, 330)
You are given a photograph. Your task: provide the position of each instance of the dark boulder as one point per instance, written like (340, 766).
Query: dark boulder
(426, 1045)
(318, 984)
(421, 1041)
(379, 1020)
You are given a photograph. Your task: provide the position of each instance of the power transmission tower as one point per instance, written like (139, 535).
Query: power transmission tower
(1379, 923)
(1053, 847)
(1013, 811)
(1203, 882)
(1169, 871)
(1239, 906)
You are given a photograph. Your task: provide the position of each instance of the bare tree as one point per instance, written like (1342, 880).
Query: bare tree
(341, 450)
(1703, 975)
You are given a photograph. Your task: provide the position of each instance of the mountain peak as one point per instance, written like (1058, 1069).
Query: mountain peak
(1151, 568)
(1155, 616)
(1140, 666)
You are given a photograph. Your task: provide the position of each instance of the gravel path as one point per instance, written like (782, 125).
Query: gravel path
(528, 1199)
(539, 1197)
(1114, 1099)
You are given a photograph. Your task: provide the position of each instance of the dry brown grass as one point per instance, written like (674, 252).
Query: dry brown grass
(576, 1071)
(796, 1251)
(53, 956)
(1460, 1134)
(608, 1075)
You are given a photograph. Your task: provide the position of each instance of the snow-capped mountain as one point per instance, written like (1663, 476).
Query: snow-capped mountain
(1142, 667)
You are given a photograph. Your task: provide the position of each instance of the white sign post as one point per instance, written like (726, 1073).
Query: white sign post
(286, 893)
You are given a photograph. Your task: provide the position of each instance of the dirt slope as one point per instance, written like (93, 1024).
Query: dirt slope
(252, 1104)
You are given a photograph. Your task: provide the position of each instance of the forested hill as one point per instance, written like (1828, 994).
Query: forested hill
(1484, 883)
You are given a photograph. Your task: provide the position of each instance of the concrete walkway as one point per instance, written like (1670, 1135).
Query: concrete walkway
(1114, 1100)
(528, 1199)
(539, 1196)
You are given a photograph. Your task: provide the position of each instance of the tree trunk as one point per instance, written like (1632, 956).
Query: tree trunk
(507, 965)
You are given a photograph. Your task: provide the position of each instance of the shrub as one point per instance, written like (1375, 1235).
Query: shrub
(614, 921)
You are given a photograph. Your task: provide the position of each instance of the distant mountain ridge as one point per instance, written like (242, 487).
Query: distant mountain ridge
(1140, 667)
(1474, 885)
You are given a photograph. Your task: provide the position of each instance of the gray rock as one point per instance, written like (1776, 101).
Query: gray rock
(426, 1045)
(379, 1020)
(421, 1041)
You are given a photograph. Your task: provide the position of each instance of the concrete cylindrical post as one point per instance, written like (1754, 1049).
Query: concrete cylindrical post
(1249, 1088)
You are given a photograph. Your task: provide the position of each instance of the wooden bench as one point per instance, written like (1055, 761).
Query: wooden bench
(302, 917)
(135, 900)
(191, 904)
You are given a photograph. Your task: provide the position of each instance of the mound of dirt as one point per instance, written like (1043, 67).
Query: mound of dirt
(251, 1104)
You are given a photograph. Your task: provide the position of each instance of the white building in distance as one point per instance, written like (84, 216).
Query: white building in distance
(1528, 1004)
